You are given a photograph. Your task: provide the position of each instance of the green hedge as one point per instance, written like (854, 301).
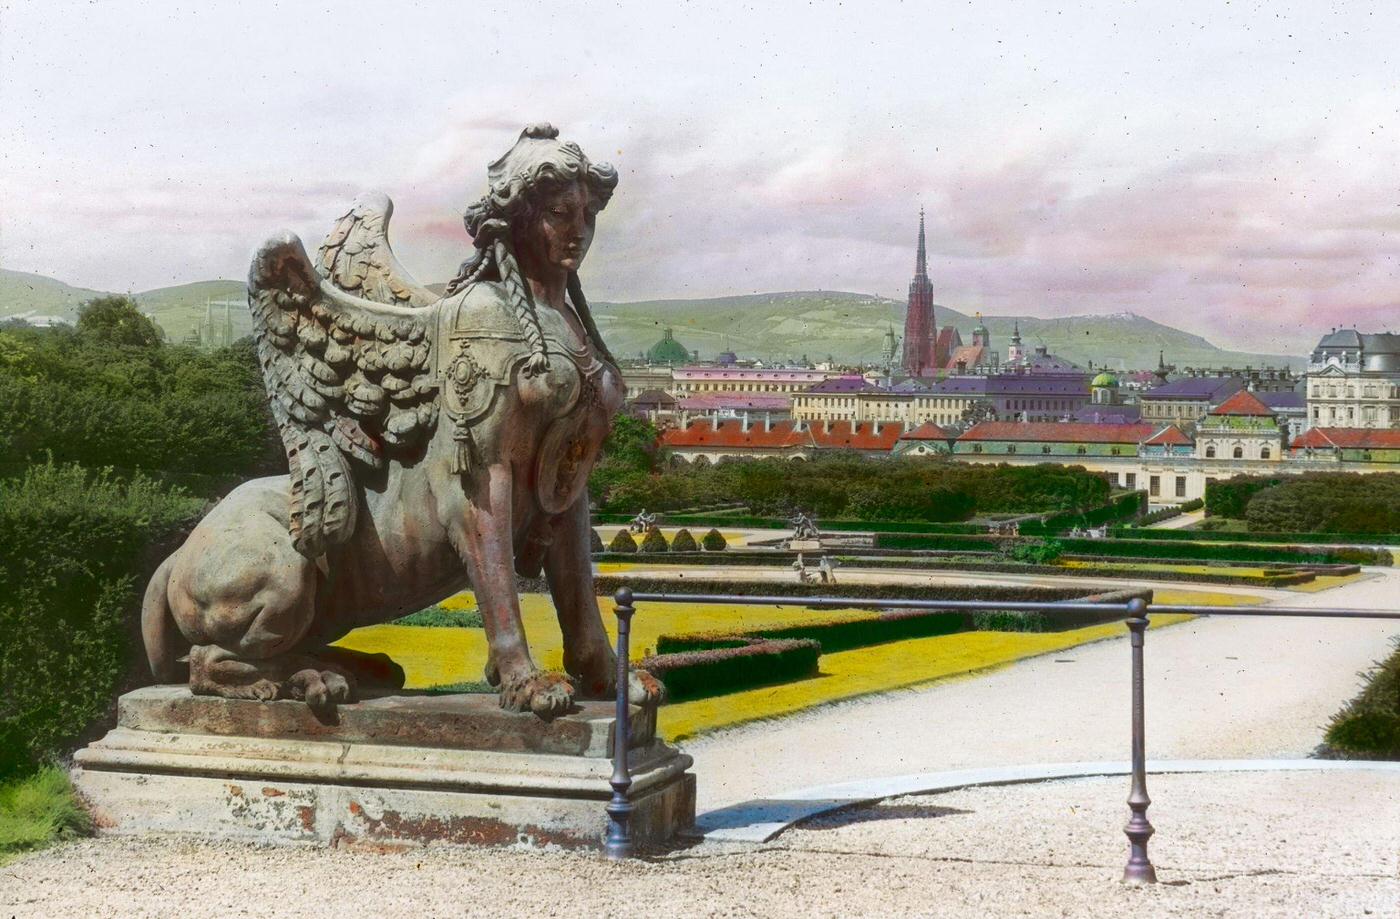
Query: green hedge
(1368, 727)
(740, 665)
(1155, 550)
(1357, 503)
(1390, 539)
(75, 552)
(1123, 507)
(751, 522)
(607, 584)
(1017, 621)
(1229, 497)
(833, 634)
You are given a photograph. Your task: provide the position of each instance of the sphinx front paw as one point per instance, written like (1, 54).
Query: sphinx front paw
(545, 693)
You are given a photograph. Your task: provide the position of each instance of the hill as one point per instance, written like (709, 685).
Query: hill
(851, 327)
(848, 327)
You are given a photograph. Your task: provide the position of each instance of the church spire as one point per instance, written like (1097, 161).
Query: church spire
(921, 260)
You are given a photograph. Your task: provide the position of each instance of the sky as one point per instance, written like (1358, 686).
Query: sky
(1228, 168)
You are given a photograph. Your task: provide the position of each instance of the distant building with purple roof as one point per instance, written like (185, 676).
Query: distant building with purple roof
(1188, 400)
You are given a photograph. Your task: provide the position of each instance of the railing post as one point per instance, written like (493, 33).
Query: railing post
(1139, 869)
(618, 844)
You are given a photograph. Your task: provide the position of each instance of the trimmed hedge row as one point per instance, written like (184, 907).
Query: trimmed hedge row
(720, 669)
(1017, 621)
(75, 549)
(833, 634)
(1390, 539)
(1122, 507)
(1167, 513)
(1150, 549)
(991, 563)
(1368, 727)
(750, 522)
(607, 584)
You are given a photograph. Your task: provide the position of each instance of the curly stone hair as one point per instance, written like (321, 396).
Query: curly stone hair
(519, 182)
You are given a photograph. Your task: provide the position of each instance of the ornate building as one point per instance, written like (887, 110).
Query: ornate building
(1354, 381)
(920, 331)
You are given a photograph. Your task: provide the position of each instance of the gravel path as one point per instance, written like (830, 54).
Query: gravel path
(1217, 688)
(1288, 845)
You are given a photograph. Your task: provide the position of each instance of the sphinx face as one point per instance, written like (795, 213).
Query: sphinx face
(558, 236)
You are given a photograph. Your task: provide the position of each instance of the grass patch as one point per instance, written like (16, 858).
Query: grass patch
(465, 686)
(441, 617)
(38, 810)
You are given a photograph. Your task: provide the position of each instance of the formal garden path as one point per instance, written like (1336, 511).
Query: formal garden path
(1217, 688)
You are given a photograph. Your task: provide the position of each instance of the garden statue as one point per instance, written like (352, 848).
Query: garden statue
(642, 522)
(803, 527)
(435, 442)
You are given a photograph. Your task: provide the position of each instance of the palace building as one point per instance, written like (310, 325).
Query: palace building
(1354, 380)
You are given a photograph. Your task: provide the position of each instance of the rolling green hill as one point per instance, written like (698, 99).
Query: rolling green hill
(778, 326)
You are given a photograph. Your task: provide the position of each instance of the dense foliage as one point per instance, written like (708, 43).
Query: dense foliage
(1328, 504)
(1317, 502)
(111, 393)
(1368, 727)
(77, 547)
(924, 489)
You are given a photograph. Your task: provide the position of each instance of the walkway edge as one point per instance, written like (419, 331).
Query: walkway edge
(763, 819)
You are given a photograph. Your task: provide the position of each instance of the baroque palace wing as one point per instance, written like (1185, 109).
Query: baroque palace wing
(348, 379)
(357, 258)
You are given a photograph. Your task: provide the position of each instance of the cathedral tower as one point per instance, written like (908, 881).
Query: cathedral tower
(920, 332)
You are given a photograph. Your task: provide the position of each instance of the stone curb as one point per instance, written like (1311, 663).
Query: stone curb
(762, 819)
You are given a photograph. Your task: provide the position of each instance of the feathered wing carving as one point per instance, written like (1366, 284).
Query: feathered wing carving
(348, 378)
(357, 258)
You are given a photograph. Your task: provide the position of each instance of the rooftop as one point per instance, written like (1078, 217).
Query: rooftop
(850, 384)
(927, 431)
(1351, 438)
(837, 435)
(779, 375)
(1059, 432)
(1208, 388)
(1169, 436)
(1243, 402)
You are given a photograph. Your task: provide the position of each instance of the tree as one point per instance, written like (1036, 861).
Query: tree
(117, 320)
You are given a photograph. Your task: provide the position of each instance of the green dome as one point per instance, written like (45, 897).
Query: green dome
(668, 350)
(1104, 379)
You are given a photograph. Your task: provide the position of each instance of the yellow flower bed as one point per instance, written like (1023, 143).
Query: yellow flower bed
(879, 668)
(438, 656)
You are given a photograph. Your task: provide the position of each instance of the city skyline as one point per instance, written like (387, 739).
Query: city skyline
(1224, 170)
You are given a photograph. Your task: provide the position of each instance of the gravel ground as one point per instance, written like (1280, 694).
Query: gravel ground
(1286, 845)
(1216, 688)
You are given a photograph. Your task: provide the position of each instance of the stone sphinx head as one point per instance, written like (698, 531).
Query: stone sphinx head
(536, 221)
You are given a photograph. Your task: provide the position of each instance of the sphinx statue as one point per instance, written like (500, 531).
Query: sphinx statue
(435, 442)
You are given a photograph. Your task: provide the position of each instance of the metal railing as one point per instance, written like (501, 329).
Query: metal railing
(619, 841)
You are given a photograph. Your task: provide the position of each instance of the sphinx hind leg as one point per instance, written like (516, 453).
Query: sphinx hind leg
(217, 671)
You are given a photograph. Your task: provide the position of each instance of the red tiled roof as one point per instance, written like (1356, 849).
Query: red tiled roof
(926, 431)
(783, 435)
(1059, 432)
(731, 433)
(971, 355)
(863, 436)
(1350, 438)
(1169, 436)
(1243, 402)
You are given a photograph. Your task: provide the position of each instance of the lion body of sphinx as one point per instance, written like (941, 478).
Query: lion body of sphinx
(239, 584)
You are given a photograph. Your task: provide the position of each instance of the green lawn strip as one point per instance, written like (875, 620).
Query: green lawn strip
(438, 617)
(37, 810)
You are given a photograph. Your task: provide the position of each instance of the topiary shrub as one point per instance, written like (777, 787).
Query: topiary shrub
(595, 542)
(622, 542)
(714, 541)
(683, 542)
(654, 541)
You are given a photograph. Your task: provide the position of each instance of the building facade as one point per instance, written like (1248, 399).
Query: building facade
(1186, 401)
(1354, 381)
(1241, 427)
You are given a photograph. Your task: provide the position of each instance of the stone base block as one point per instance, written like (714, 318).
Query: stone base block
(394, 771)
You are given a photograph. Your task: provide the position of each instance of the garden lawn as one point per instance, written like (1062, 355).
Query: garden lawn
(37, 810)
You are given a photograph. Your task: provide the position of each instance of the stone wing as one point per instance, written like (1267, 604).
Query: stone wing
(357, 258)
(348, 379)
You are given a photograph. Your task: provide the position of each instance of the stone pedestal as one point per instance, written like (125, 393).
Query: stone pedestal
(805, 545)
(393, 770)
